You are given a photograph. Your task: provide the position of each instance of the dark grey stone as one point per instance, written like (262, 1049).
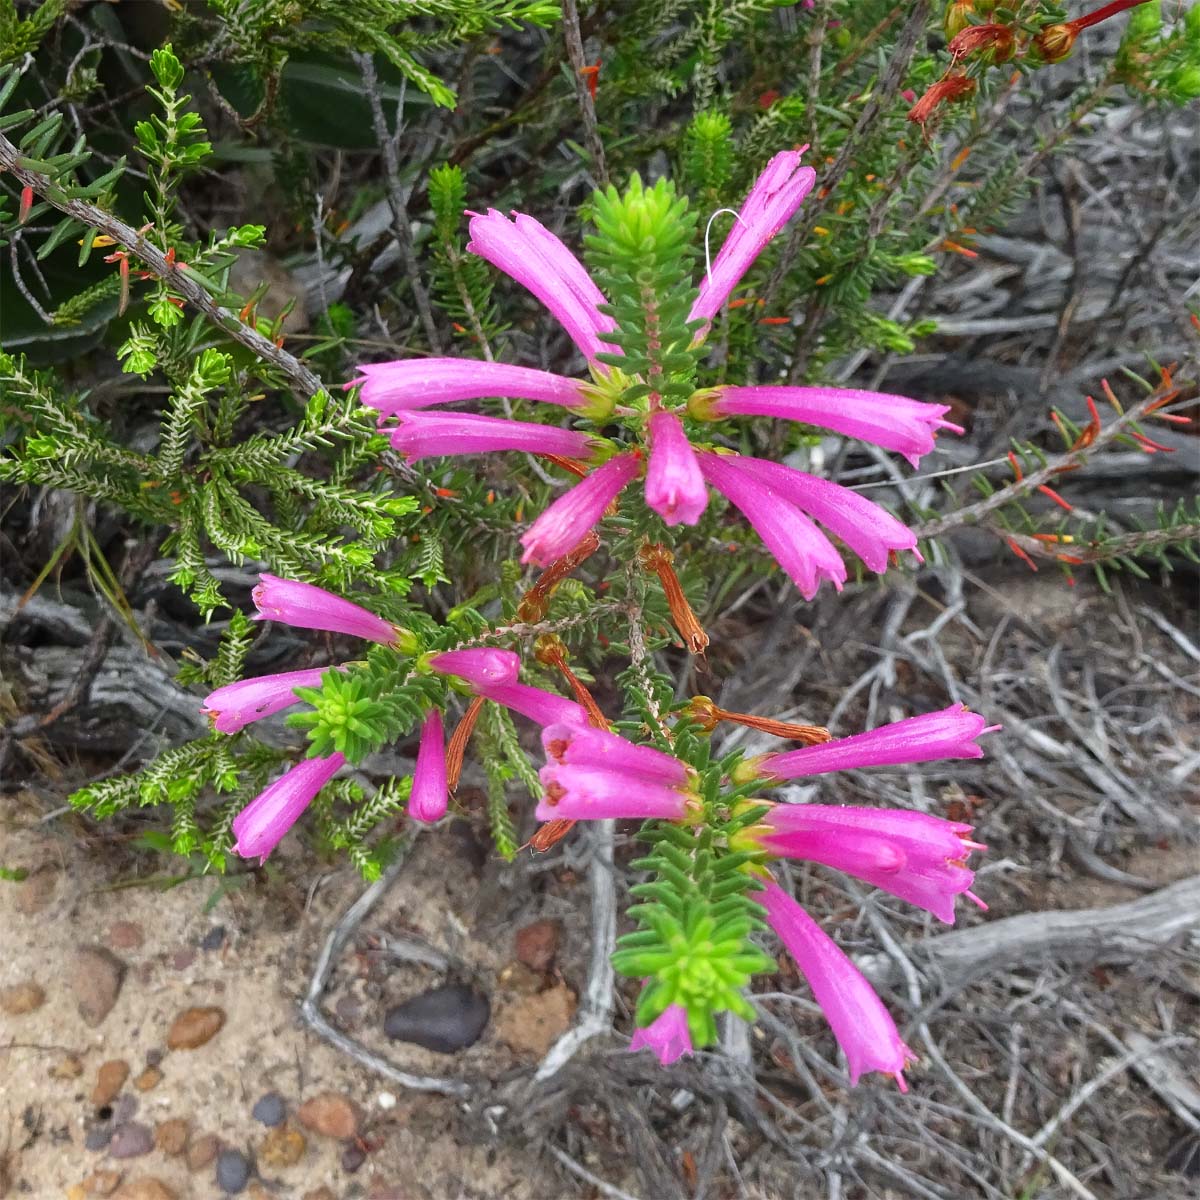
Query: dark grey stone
(445, 1020)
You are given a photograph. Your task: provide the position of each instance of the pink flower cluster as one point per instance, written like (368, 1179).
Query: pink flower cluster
(261, 825)
(784, 506)
(594, 774)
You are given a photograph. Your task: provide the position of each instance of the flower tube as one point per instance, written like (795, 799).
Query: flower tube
(799, 547)
(863, 1027)
(674, 483)
(917, 857)
(948, 733)
(528, 252)
(306, 606)
(870, 531)
(479, 667)
(232, 707)
(667, 1035)
(774, 197)
(260, 826)
(426, 434)
(392, 387)
(891, 422)
(545, 708)
(575, 746)
(429, 797)
(595, 794)
(569, 519)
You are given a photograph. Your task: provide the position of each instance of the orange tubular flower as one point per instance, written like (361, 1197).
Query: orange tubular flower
(1055, 42)
(657, 558)
(708, 714)
(997, 40)
(953, 86)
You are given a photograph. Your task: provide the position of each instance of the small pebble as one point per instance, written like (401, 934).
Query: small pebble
(269, 1110)
(214, 939)
(126, 935)
(353, 1157)
(154, 1057)
(233, 1171)
(102, 1183)
(131, 1141)
(195, 1026)
(149, 1187)
(125, 1109)
(22, 998)
(386, 1101)
(201, 1151)
(171, 1136)
(182, 959)
(282, 1147)
(149, 1079)
(96, 977)
(68, 1067)
(537, 943)
(110, 1079)
(446, 1019)
(98, 1137)
(331, 1115)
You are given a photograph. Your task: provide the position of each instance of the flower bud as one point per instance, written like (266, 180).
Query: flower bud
(1055, 42)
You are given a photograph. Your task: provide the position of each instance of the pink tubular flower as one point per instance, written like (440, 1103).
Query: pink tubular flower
(585, 746)
(306, 606)
(914, 856)
(480, 668)
(870, 531)
(667, 1035)
(774, 197)
(528, 252)
(863, 1027)
(232, 707)
(392, 387)
(565, 523)
(674, 484)
(540, 706)
(594, 794)
(263, 822)
(892, 422)
(429, 797)
(948, 733)
(799, 547)
(422, 434)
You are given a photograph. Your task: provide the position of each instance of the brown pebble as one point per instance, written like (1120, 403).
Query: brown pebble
(150, 1078)
(110, 1079)
(182, 959)
(96, 978)
(195, 1026)
(282, 1147)
(537, 944)
(22, 998)
(202, 1151)
(148, 1187)
(331, 1115)
(102, 1183)
(321, 1193)
(126, 935)
(70, 1067)
(171, 1135)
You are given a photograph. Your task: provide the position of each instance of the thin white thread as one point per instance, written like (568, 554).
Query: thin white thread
(991, 462)
(707, 230)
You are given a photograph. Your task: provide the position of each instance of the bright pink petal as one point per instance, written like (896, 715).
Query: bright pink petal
(567, 521)
(774, 197)
(260, 826)
(429, 797)
(393, 387)
(594, 794)
(667, 1035)
(799, 547)
(892, 422)
(480, 667)
(599, 749)
(870, 531)
(948, 733)
(674, 483)
(863, 1027)
(540, 706)
(528, 252)
(232, 707)
(425, 434)
(306, 606)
